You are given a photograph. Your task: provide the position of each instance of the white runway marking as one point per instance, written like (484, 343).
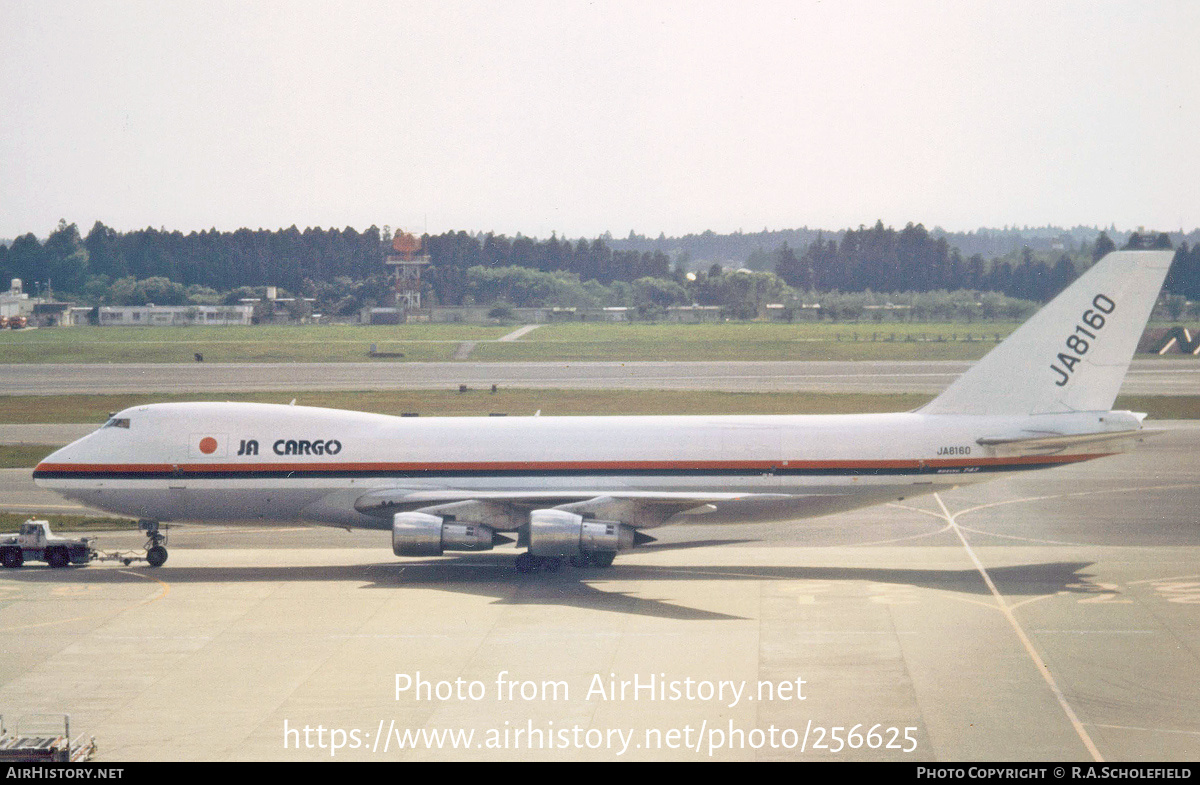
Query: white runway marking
(1028, 644)
(1178, 486)
(515, 334)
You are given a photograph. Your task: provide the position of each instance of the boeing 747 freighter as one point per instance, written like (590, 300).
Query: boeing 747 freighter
(582, 489)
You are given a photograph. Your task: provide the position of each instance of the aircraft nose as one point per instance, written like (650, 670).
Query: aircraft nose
(52, 462)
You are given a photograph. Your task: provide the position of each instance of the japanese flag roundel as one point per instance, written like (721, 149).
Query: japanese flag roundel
(208, 445)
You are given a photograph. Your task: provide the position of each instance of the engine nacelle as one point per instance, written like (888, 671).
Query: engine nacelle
(422, 534)
(558, 533)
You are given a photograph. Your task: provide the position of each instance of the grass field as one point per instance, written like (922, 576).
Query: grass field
(20, 456)
(622, 342)
(749, 341)
(753, 332)
(266, 343)
(717, 350)
(435, 342)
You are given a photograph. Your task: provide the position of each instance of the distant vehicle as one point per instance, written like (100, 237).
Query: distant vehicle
(3, 322)
(17, 322)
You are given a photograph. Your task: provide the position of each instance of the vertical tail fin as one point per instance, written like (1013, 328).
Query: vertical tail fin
(1072, 355)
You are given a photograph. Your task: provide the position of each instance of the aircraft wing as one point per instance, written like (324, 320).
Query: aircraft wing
(508, 509)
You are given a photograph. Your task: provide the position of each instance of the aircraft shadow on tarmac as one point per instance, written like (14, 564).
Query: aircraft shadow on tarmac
(492, 575)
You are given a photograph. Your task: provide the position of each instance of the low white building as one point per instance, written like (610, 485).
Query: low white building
(174, 315)
(693, 314)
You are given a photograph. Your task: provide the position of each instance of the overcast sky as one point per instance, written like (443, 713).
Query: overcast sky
(586, 117)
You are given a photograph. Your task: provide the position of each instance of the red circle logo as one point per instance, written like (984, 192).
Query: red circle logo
(208, 445)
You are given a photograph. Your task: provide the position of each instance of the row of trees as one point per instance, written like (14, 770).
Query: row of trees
(112, 266)
(740, 294)
(883, 259)
(289, 257)
(990, 243)
(1184, 277)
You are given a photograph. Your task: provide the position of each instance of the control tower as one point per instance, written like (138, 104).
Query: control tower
(406, 264)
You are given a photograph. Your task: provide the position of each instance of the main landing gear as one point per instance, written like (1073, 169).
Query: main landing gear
(527, 562)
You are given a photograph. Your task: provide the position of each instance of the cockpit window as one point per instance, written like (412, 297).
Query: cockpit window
(117, 422)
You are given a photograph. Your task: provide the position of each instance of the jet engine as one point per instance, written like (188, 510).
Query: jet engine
(558, 533)
(422, 534)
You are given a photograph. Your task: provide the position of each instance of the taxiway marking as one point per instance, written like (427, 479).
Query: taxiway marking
(1028, 644)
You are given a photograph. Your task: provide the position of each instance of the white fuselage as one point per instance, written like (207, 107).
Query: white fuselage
(234, 462)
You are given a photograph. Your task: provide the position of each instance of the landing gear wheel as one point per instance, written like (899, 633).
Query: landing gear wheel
(57, 557)
(156, 556)
(12, 558)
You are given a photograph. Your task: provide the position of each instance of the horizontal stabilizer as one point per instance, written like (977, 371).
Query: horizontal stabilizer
(1045, 443)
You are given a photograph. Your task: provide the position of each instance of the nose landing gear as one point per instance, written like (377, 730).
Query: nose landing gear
(156, 554)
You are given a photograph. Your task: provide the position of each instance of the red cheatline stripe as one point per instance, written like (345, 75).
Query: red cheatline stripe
(201, 468)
